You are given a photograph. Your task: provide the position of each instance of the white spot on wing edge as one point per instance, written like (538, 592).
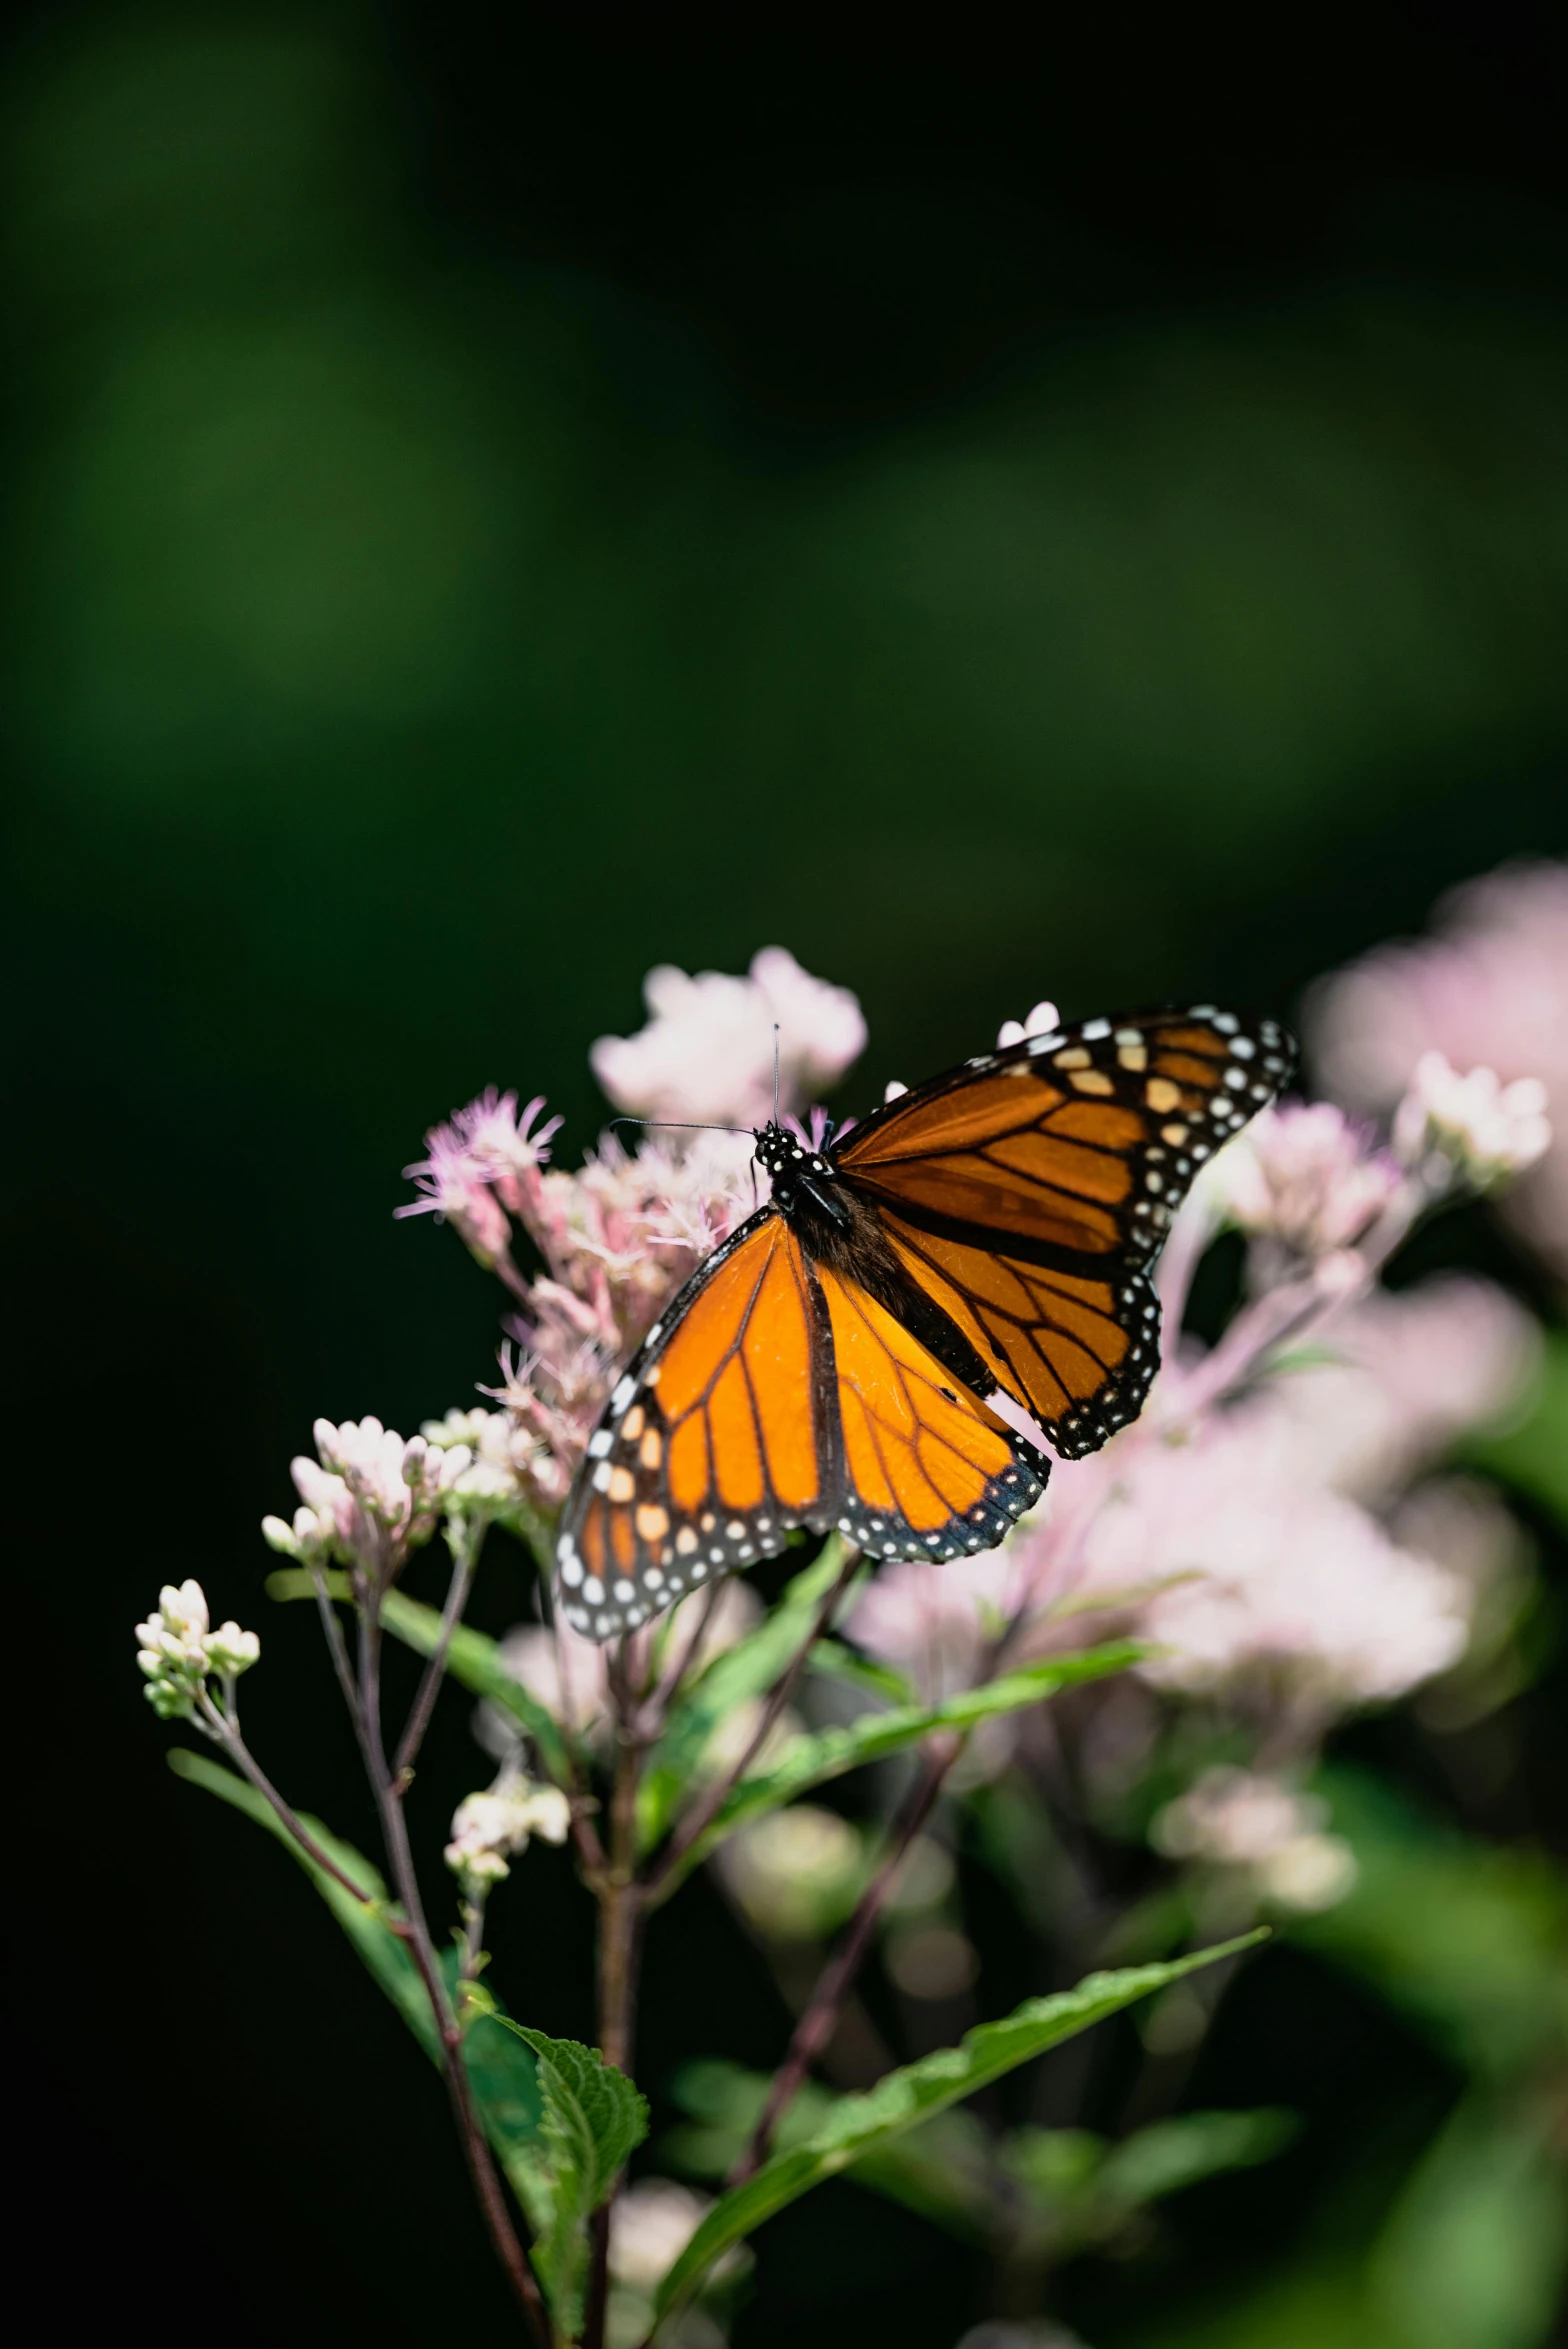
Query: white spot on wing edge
(1017, 1418)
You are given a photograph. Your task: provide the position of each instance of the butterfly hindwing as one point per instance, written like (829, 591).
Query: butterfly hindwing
(928, 1470)
(1027, 1193)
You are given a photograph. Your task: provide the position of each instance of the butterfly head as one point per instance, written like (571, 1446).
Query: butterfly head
(797, 1172)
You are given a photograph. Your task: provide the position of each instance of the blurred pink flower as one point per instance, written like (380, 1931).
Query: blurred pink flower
(1489, 990)
(937, 1623)
(1305, 1177)
(707, 1051)
(569, 1675)
(1271, 1508)
(1291, 1586)
(1409, 1371)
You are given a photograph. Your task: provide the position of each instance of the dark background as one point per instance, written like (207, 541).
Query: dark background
(492, 504)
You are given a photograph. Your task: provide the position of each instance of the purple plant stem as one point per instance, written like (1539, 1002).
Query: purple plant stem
(227, 1734)
(821, 2017)
(465, 1541)
(621, 1917)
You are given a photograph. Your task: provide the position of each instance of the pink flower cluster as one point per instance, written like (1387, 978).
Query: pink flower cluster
(708, 1051)
(1487, 995)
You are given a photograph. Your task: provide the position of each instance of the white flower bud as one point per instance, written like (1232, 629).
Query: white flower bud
(233, 1650)
(1475, 1123)
(280, 1536)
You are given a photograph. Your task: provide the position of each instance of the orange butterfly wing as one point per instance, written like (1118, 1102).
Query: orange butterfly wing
(773, 1394)
(927, 1469)
(1027, 1193)
(713, 1443)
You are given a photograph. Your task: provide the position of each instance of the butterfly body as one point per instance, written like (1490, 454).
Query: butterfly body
(863, 1354)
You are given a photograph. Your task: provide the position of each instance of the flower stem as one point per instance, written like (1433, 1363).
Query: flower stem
(464, 1540)
(400, 1860)
(227, 1734)
(822, 2016)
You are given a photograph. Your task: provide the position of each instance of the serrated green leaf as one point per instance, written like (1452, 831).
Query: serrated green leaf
(591, 2119)
(614, 2110)
(812, 1759)
(473, 1658)
(746, 1670)
(859, 2125)
(502, 2072)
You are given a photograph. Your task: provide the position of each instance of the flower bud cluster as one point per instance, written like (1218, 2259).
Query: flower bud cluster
(369, 1498)
(1243, 1823)
(177, 1648)
(490, 1828)
(1473, 1127)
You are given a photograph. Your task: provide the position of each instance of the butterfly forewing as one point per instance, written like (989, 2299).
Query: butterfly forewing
(715, 1443)
(1027, 1193)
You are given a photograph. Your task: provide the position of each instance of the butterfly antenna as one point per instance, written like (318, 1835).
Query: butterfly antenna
(681, 1125)
(775, 1072)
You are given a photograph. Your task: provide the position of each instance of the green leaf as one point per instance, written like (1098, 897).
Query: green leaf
(809, 1760)
(1533, 1456)
(383, 1952)
(833, 1661)
(859, 2125)
(1171, 2154)
(473, 1659)
(592, 2119)
(746, 1670)
(1068, 2187)
(615, 2113)
(942, 2169)
(502, 2072)
(1466, 1938)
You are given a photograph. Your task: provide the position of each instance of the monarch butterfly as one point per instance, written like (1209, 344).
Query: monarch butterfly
(983, 1241)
